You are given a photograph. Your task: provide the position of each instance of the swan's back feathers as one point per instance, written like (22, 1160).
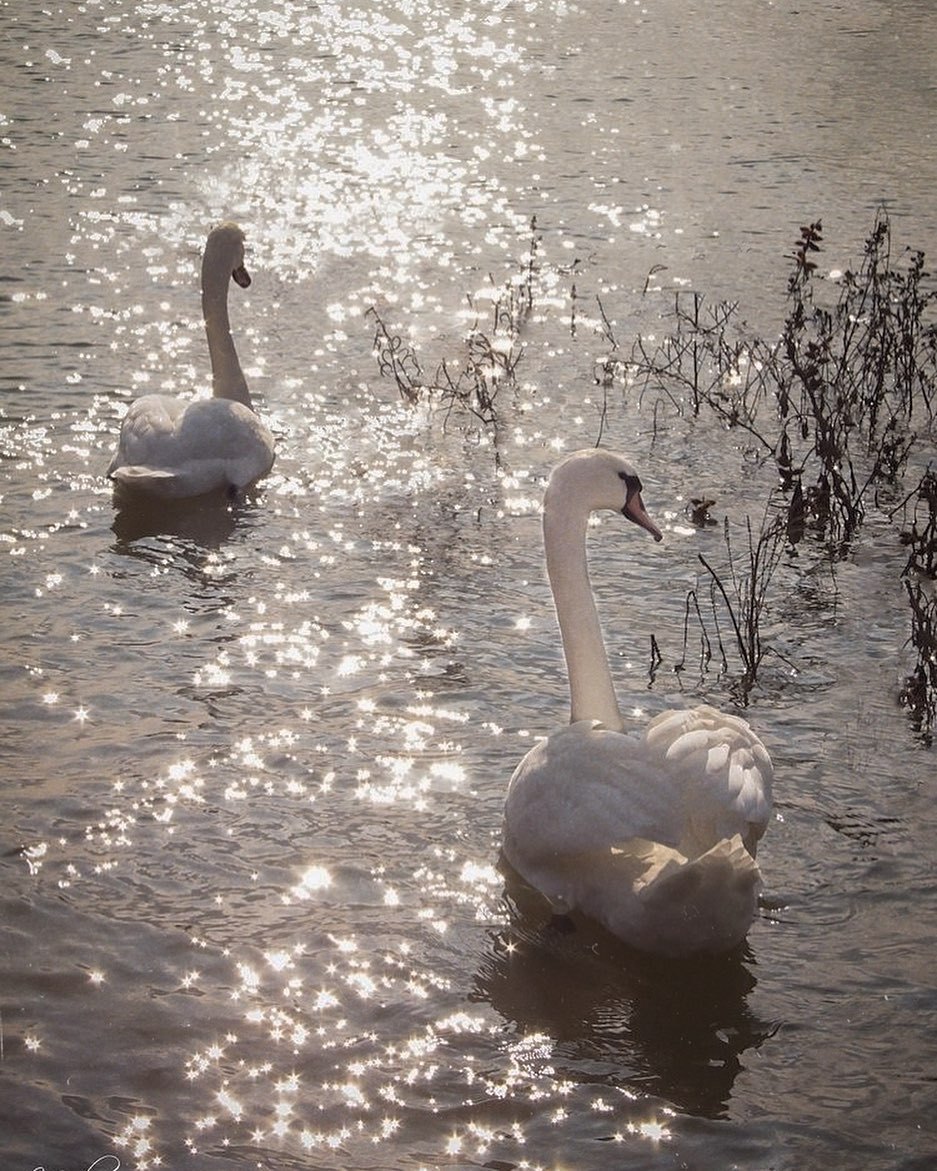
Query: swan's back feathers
(725, 762)
(654, 835)
(174, 448)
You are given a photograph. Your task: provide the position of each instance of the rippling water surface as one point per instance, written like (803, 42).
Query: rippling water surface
(255, 755)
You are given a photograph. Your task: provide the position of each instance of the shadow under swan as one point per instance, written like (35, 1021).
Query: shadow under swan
(675, 1029)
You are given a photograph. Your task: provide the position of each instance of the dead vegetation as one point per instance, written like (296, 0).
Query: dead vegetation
(841, 404)
(487, 361)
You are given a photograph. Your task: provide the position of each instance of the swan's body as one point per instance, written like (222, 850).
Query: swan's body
(652, 834)
(173, 447)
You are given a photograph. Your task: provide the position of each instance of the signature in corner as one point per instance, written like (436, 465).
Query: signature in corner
(104, 1163)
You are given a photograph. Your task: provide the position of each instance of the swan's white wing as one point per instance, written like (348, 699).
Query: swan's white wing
(585, 787)
(149, 423)
(724, 772)
(576, 795)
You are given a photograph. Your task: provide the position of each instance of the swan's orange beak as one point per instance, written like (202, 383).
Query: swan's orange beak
(241, 276)
(634, 510)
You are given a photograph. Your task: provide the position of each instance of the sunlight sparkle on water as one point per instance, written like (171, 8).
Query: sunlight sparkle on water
(314, 879)
(279, 960)
(406, 195)
(653, 1130)
(477, 873)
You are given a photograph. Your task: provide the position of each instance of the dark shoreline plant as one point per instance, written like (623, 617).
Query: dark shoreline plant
(745, 594)
(919, 693)
(838, 403)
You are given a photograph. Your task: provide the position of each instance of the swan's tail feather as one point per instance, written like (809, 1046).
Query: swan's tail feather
(138, 476)
(727, 866)
(704, 904)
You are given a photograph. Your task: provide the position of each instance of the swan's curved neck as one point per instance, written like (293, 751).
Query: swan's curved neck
(227, 377)
(591, 692)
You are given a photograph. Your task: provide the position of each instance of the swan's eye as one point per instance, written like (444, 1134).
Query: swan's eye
(632, 483)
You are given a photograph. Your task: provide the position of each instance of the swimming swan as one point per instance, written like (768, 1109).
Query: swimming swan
(173, 447)
(651, 834)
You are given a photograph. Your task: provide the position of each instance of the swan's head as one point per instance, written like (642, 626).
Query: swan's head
(592, 480)
(225, 248)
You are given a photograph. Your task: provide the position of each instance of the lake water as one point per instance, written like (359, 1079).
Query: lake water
(254, 757)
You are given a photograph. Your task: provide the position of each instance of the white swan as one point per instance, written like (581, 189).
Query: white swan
(652, 834)
(172, 447)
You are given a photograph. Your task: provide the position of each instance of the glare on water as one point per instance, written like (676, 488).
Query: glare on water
(256, 752)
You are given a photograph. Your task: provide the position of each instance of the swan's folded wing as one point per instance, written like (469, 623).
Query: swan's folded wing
(585, 787)
(148, 427)
(668, 873)
(682, 905)
(724, 767)
(643, 862)
(138, 476)
(580, 879)
(154, 415)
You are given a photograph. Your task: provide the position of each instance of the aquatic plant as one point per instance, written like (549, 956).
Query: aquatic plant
(919, 693)
(839, 402)
(490, 354)
(853, 378)
(850, 385)
(737, 598)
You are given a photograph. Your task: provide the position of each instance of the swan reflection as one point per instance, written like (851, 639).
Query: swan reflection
(207, 522)
(674, 1029)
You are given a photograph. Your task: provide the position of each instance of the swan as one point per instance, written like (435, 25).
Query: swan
(652, 834)
(172, 447)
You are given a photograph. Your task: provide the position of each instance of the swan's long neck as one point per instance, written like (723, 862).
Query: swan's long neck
(227, 377)
(591, 692)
